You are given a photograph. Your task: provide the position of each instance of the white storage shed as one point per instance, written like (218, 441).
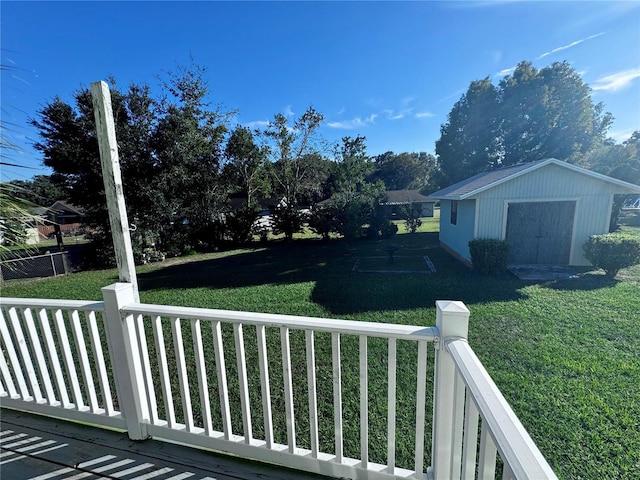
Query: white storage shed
(545, 210)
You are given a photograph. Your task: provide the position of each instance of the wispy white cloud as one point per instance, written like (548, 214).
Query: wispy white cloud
(506, 71)
(397, 115)
(355, 122)
(572, 44)
(288, 112)
(424, 115)
(257, 124)
(621, 135)
(616, 81)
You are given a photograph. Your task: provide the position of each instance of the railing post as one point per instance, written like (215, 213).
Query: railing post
(452, 320)
(125, 358)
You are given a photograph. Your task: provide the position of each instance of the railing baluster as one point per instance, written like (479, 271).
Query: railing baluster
(98, 355)
(25, 355)
(507, 473)
(337, 395)
(364, 403)
(39, 354)
(488, 452)
(8, 386)
(313, 399)
(47, 333)
(265, 387)
(288, 388)
(421, 399)
(391, 406)
(457, 426)
(183, 379)
(201, 370)
(165, 379)
(146, 368)
(243, 384)
(221, 372)
(61, 329)
(85, 367)
(470, 438)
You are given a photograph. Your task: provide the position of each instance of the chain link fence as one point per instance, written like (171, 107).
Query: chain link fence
(48, 265)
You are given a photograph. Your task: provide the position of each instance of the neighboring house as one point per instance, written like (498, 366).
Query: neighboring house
(68, 217)
(64, 213)
(545, 210)
(396, 201)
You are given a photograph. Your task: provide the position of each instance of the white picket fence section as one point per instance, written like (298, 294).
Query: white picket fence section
(235, 382)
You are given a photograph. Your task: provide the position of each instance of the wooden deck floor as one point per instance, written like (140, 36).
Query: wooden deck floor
(39, 448)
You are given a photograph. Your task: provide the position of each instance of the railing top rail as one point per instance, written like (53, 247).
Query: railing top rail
(50, 303)
(372, 329)
(516, 447)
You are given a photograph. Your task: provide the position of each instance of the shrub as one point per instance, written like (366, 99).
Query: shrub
(412, 219)
(380, 226)
(239, 223)
(286, 219)
(323, 221)
(612, 252)
(489, 255)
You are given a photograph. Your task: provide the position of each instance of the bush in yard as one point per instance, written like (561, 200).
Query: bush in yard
(323, 221)
(613, 252)
(412, 219)
(380, 226)
(286, 219)
(489, 255)
(239, 223)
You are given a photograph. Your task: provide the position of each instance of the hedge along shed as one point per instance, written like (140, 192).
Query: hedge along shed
(545, 210)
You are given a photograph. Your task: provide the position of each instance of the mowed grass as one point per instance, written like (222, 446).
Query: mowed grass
(566, 353)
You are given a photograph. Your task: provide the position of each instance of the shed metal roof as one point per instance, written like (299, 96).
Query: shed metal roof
(484, 181)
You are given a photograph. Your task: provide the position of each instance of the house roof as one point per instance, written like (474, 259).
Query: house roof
(484, 181)
(63, 207)
(402, 197)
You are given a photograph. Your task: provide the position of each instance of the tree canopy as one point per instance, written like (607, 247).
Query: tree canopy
(530, 115)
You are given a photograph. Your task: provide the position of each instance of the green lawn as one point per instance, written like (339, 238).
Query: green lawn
(565, 353)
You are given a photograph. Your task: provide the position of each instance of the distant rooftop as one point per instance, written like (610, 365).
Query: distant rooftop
(401, 197)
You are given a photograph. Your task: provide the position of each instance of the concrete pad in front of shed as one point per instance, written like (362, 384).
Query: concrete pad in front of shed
(545, 272)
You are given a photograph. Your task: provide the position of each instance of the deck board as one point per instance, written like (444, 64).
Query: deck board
(34, 447)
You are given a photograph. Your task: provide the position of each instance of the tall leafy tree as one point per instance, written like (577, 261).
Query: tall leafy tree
(293, 150)
(548, 113)
(531, 115)
(246, 164)
(468, 141)
(355, 198)
(405, 170)
(70, 147)
(40, 190)
(189, 143)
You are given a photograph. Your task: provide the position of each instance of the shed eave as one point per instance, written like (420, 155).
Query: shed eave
(626, 186)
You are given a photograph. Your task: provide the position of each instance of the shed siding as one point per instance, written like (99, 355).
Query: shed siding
(550, 183)
(457, 236)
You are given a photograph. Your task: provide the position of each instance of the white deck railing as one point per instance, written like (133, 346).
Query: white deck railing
(307, 393)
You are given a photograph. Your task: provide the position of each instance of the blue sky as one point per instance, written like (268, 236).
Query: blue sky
(390, 71)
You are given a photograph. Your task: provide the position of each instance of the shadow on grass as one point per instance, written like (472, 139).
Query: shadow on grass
(336, 287)
(586, 282)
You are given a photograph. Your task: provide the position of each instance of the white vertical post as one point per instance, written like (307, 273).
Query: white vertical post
(125, 358)
(452, 321)
(113, 184)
